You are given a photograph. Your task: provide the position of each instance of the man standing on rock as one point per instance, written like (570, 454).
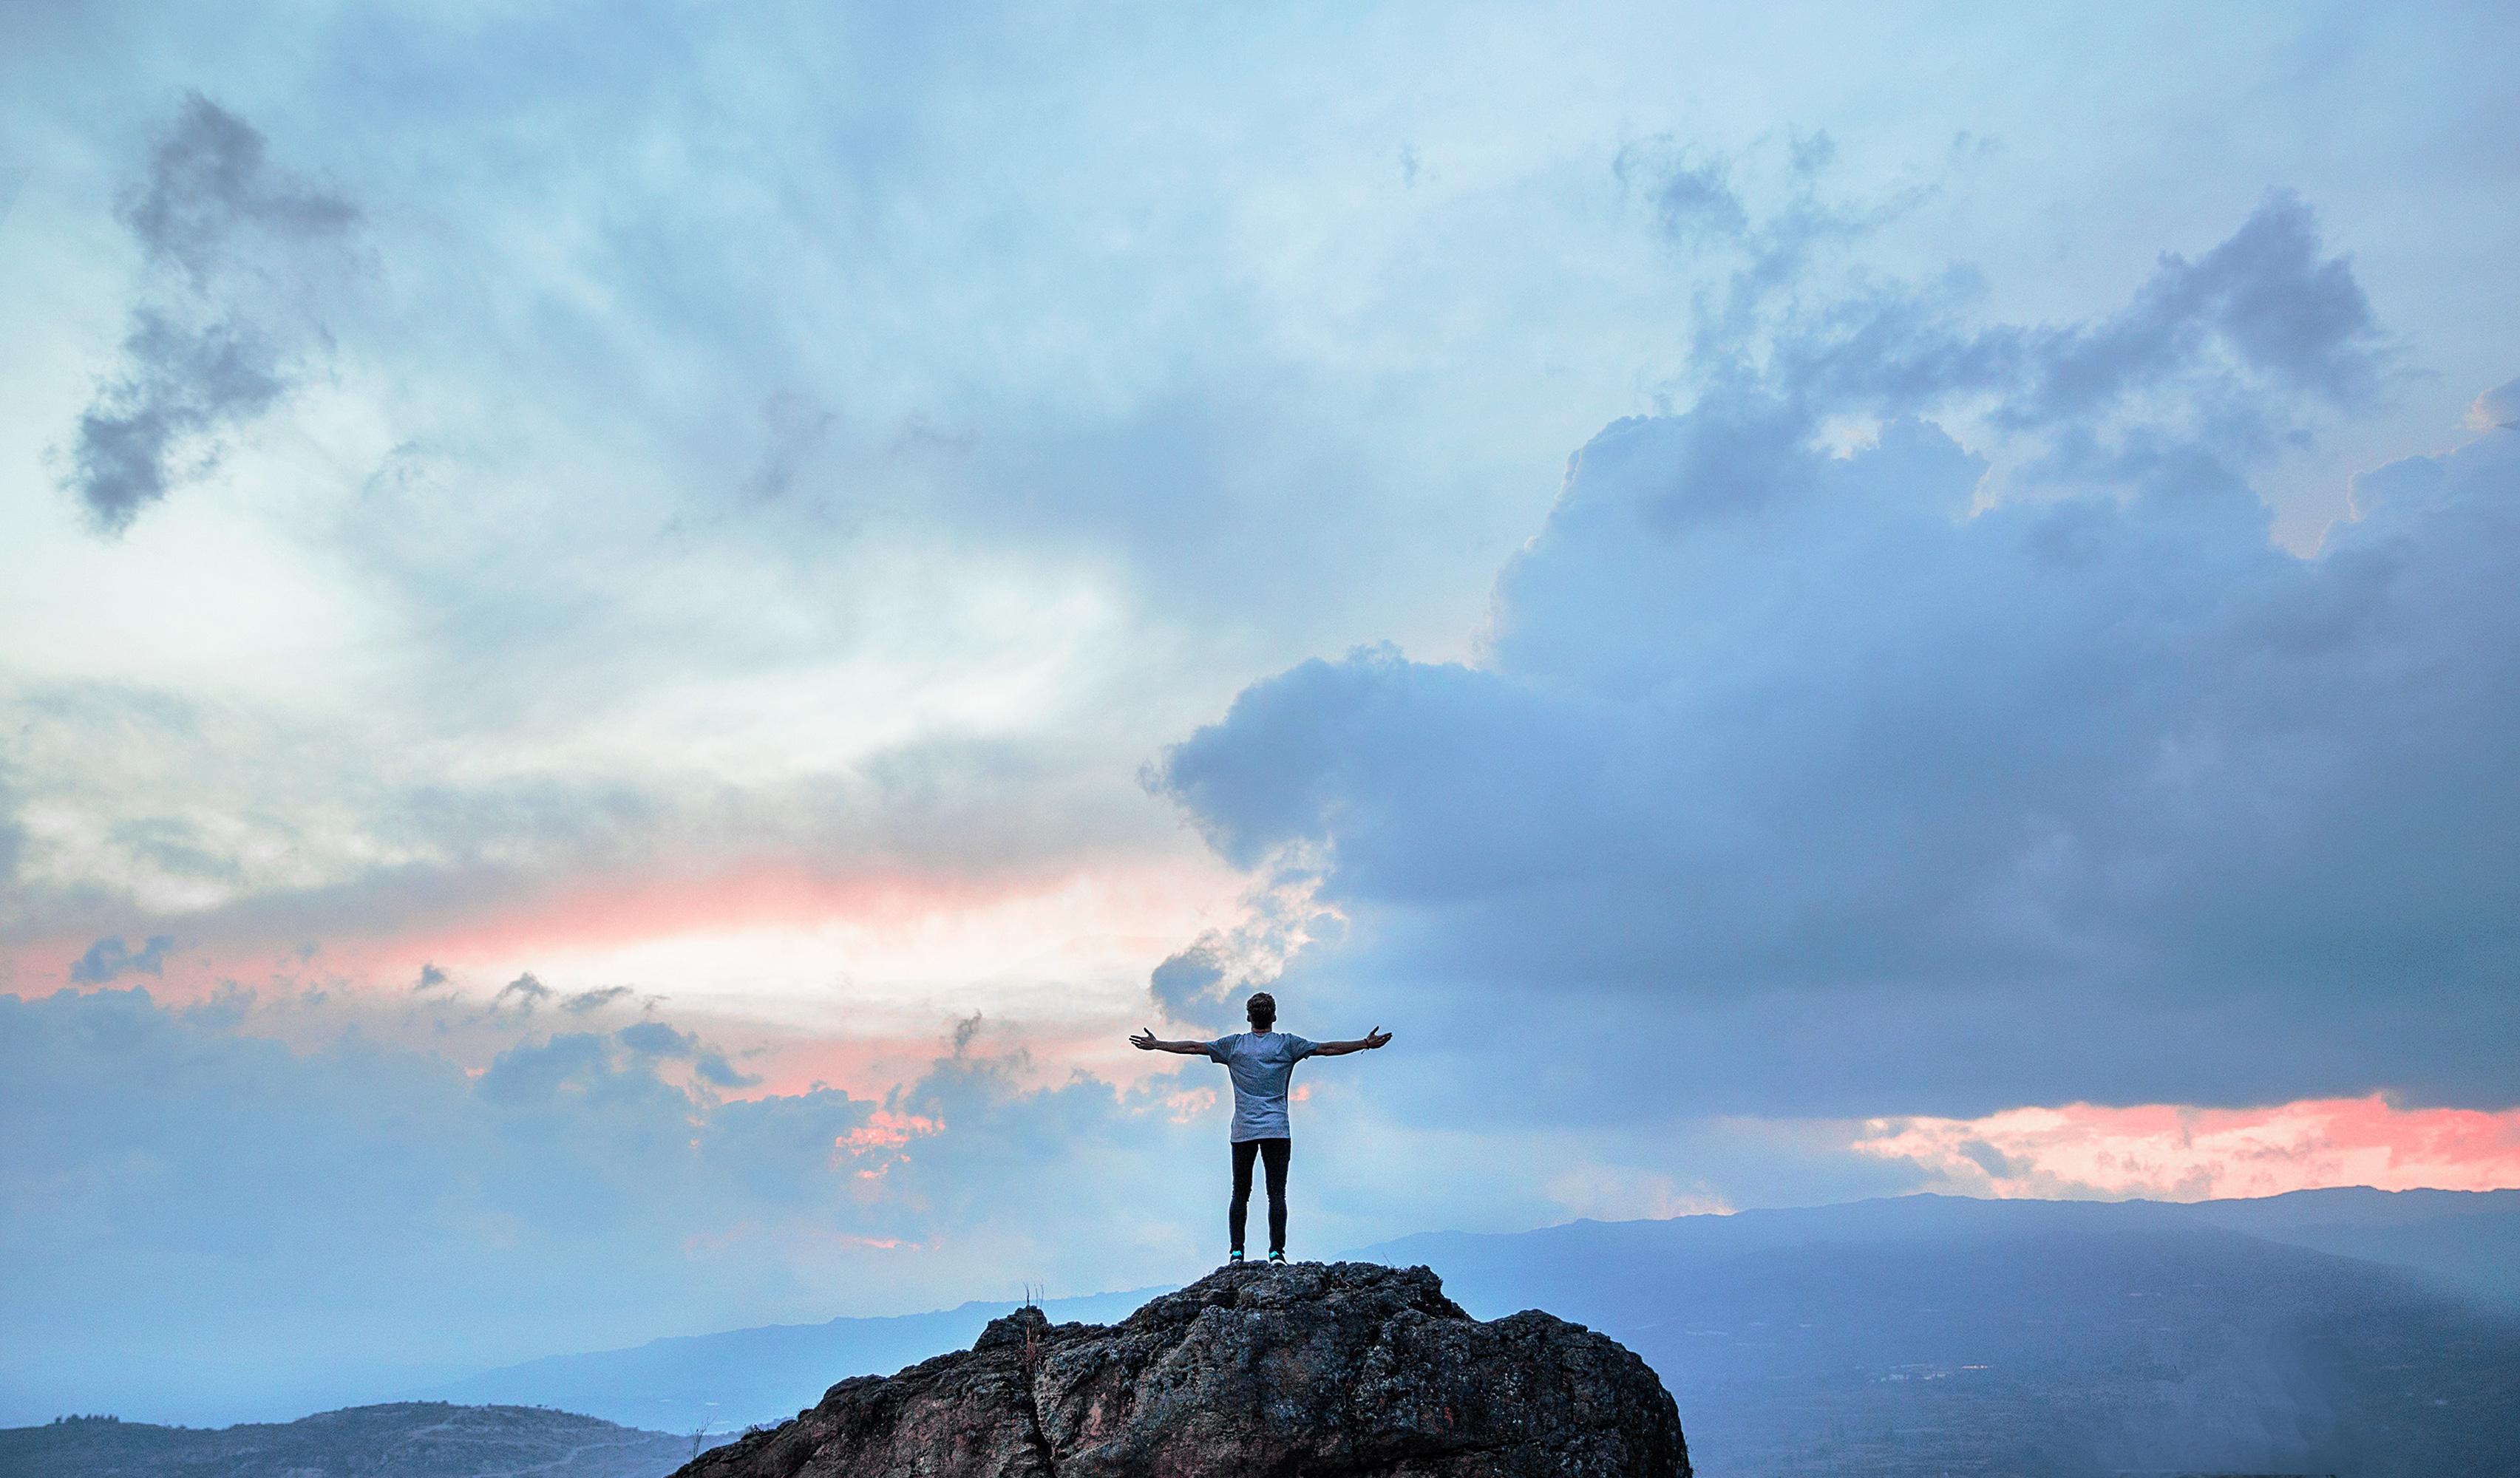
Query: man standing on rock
(1261, 1060)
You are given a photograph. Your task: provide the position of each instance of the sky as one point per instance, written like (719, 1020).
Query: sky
(634, 637)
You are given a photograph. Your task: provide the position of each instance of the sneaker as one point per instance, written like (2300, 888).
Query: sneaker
(1234, 1259)
(1276, 1259)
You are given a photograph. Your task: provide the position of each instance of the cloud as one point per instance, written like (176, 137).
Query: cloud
(2226, 358)
(795, 432)
(224, 340)
(539, 1072)
(1281, 914)
(714, 1070)
(707, 1063)
(178, 383)
(236, 854)
(522, 993)
(2265, 301)
(1184, 435)
(2172, 1152)
(1702, 201)
(232, 1226)
(657, 1039)
(431, 978)
(210, 190)
(109, 959)
(1194, 975)
(582, 1001)
(2498, 407)
(1942, 776)
(1690, 190)
(966, 459)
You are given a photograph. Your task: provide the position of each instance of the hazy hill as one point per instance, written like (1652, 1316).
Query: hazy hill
(405, 1439)
(1934, 1334)
(746, 1376)
(2468, 1240)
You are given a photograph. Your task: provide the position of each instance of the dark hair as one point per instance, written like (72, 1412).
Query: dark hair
(1262, 1008)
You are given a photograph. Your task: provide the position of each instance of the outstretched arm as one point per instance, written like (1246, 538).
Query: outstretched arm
(1365, 1043)
(1149, 1041)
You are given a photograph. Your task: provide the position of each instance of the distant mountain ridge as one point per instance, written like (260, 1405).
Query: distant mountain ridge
(397, 1440)
(2467, 1239)
(2466, 1243)
(1936, 1335)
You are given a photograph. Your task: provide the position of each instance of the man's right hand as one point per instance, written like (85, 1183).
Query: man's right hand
(1143, 1041)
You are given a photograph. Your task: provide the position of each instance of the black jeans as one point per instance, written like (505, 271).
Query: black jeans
(1273, 1155)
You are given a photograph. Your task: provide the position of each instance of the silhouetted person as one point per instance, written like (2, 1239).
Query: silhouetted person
(1261, 1060)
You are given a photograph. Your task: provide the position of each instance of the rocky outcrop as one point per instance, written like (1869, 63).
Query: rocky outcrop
(1315, 1370)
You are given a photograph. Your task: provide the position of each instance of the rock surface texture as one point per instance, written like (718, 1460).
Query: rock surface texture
(1315, 1370)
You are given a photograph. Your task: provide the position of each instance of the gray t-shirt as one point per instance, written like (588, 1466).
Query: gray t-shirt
(1260, 1062)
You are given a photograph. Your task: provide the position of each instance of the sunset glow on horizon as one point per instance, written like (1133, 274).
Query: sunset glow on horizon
(2181, 1153)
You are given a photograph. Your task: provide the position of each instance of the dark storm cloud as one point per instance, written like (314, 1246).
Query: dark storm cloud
(1876, 805)
(109, 959)
(222, 340)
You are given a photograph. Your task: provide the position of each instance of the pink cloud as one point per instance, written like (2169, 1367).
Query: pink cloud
(577, 914)
(2177, 1152)
(886, 1130)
